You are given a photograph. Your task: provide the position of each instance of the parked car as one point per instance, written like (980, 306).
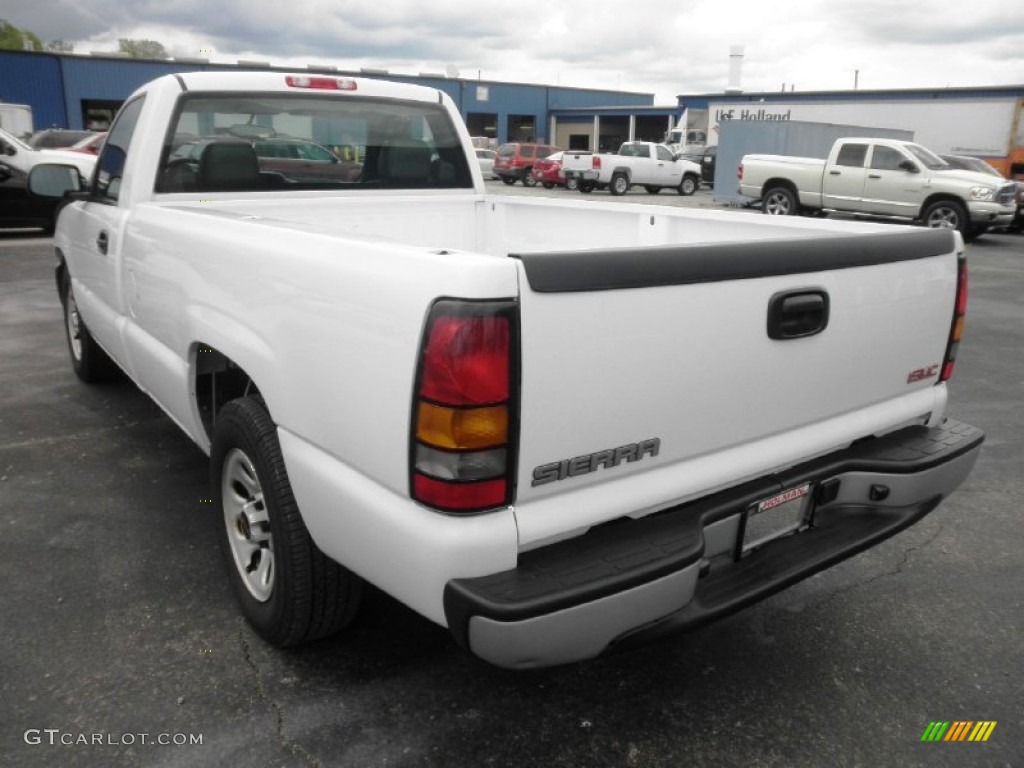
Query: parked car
(707, 165)
(881, 177)
(296, 160)
(17, 159)
(548, 172)
(515, 161)
(644, 163)
(56, 138)
(486, 159)
(1018, 220)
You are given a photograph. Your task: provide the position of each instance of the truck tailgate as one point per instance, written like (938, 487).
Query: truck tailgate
(650, 375)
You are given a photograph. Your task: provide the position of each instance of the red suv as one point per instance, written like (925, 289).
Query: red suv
(515, 161)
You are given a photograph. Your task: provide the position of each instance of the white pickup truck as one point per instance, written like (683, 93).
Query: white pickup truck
(637, 163)
(881, 177)
(554, 427)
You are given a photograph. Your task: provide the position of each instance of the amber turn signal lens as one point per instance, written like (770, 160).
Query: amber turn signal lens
(462, 428)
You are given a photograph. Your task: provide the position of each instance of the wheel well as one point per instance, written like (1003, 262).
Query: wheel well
(942, 197)
(217, 381)
(624, 171)
(59, 272)
(786, 183)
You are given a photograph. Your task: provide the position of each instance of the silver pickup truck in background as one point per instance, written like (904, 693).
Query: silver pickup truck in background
(881, 177)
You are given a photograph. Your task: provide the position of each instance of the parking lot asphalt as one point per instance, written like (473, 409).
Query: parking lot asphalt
(118, 627)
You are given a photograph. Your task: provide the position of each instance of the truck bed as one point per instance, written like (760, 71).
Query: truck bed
(627, 335)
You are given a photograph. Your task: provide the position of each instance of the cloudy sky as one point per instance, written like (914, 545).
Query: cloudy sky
(665, 47)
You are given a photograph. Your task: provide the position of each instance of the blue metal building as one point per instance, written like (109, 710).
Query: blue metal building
(75, 91)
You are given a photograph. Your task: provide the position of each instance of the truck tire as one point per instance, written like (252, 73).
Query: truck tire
(510, 180)
(688, 185)
(88, 360)
(528, 180)
(586, 187)
(652, 190)
(619, 185)
(779, 201)
(946, 214)
(289, 591)
(549, 185)
(572, 184)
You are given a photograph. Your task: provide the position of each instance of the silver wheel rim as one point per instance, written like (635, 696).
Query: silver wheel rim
(688, 187)
(777, 205)
(944, 218)
(620, 185)
(247, 524)
(74, 323)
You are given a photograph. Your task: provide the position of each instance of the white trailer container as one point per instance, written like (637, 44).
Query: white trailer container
(984, 127)
(16, 119)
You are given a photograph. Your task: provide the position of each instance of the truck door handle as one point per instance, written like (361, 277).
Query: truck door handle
(874, 175)
(797, 314)
(102, 242)
(835, 173)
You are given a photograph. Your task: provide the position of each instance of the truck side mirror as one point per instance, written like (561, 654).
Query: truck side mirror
(53, 182)
(909, 167)
(8, 149)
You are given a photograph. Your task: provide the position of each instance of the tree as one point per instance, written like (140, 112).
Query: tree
(142, 49)
(14, 39)
(59, 46)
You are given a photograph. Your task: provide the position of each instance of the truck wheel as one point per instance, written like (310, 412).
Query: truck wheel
(289, 590)
(688, 185)
(510, 180)
(549, 185)
(946, 214)
(528, 180)
(586, 187)
(779, 201)
(572, 184)
(619, 184)
(652, 190)
(88, 360)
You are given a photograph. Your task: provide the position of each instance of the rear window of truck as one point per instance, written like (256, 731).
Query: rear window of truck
(254, 142)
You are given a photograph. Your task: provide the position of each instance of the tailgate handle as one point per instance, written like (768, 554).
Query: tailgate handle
(797, 314)
(102, 241)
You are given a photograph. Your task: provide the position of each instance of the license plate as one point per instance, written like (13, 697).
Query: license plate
(776, 516)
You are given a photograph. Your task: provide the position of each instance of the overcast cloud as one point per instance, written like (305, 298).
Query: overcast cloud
(653, 46)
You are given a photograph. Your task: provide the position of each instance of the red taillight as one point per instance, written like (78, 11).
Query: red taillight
(739, 172)
(458, 496)
(466, 361)
(959, 313)
(464, 414)
(595, 163)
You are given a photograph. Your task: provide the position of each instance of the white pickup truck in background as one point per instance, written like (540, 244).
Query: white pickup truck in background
(554, 427)
(637, 163)
(881, 177)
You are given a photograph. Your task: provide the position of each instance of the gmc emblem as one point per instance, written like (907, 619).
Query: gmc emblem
(923, 374)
